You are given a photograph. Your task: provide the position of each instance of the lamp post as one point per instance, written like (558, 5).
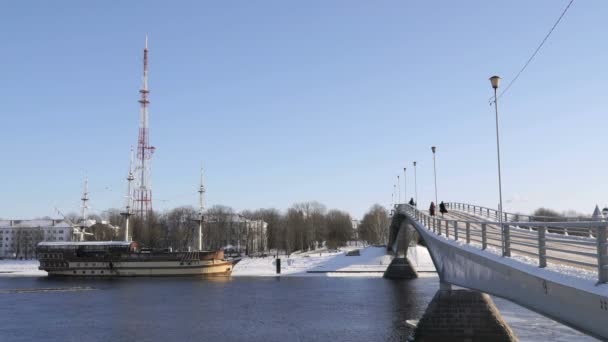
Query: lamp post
(415, 185)
(495, 81)
(434, 149)
(404, 185)
(394, 194)
(399, 189)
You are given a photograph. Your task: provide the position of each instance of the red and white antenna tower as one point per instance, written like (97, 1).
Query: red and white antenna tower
(142, 194)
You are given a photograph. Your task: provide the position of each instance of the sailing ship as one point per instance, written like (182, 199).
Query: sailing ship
(127, 259)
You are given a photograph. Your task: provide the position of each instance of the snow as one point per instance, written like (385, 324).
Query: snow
(421, 259)
(11, 268)
(372, 262)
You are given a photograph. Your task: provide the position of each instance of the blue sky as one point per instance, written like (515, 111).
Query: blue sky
(295, 101)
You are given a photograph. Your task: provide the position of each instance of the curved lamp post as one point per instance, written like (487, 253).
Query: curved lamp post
(404, 185)
(415, 185)
(495, 81)
(434, 149)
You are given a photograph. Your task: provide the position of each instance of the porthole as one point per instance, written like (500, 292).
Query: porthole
(74, 272)
(181, 263)
(83, 272)
(189, 263)
(101, 272)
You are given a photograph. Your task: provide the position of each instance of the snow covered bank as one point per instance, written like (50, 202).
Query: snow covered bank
(421, 259)
(372, 261)
(11, 268)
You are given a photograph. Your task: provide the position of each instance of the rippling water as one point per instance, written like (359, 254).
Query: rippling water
(231, 309)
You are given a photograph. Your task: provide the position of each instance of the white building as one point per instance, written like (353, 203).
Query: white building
(234, 231)
(19, 237)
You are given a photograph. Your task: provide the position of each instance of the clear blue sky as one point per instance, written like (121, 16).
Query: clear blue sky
(295, 101)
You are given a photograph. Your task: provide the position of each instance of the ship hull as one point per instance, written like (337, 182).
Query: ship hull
(124, 259)
(143, 269)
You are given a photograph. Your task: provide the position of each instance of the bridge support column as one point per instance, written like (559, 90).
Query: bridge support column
(506, 240)
(462, 315)
(484, 238)
(542, 247)
(602, 254)
(400, 268)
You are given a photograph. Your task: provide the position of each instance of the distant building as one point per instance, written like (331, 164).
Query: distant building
(235, 232)
(19, 237)
(355, 224)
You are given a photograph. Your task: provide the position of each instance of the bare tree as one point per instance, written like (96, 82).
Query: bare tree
(375, 225)
(339, 228)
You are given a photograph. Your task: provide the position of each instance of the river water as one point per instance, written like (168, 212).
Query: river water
(231, 309)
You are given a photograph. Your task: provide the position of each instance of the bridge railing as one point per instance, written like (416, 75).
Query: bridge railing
(528, 239)
(493, 214)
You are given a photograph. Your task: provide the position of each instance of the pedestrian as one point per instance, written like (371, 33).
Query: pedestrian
(442, 208)
(432, 209)
(412, 203)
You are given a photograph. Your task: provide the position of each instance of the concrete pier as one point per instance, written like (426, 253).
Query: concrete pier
(400, 268)
(462, 315)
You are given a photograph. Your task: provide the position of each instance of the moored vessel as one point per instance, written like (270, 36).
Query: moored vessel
(127, 259)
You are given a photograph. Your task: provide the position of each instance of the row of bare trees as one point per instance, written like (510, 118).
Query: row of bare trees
(302, 227)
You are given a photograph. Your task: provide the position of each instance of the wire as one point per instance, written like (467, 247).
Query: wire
(535, 52)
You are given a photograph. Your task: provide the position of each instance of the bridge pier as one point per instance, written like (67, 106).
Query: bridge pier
(400, 268)
(462, 315)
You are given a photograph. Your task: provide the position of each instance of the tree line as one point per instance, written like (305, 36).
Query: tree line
(304, 226)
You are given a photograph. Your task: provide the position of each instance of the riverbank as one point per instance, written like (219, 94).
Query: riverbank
(371, 262)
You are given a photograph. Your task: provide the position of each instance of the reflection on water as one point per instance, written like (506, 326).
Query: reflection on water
(229, 309)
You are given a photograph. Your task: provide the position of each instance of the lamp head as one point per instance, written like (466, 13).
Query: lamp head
(433, 148)
(495, 80)
(414, 164)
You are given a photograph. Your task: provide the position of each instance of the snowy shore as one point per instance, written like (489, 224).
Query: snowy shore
(371, 262)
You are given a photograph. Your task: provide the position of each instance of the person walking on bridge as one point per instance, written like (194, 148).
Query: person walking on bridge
(442, 208)
(432, 209)
(412, 203)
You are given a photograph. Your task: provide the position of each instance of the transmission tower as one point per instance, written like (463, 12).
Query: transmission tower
(142, 194)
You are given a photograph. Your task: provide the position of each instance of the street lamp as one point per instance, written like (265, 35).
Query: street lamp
(394, 194)
(495, 81)
(415, 185)
(404, 185)
(399, 188)
(434, 149)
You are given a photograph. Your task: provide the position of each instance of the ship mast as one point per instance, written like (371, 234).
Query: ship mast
(85, 199)
(201, 192)
(127, 213)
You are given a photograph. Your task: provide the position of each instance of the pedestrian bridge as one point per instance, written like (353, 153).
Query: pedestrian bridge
(558, 269)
